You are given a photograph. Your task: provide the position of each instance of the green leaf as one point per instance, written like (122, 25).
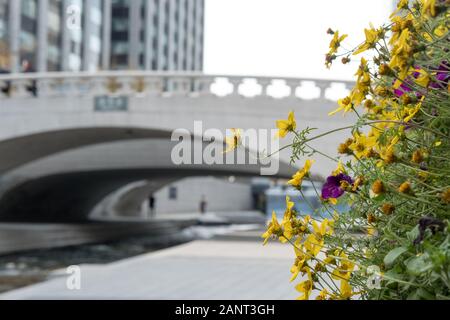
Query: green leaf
(413, 296)
(424, 294)
(418, 265)
(413, 234)
(390, 258)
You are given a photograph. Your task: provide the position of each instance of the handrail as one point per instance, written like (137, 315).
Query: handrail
(17, 85)
(154, 74)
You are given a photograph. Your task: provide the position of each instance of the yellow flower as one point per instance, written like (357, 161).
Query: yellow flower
(334, 46)
(300, 260)
(429, 7)
(340, 169)
(273, 228)
(401, 53)
(362, 145)
(344, 268)
(372, 37)
(343, 147)
(345, 104)
(234, 141)
(298, 177)
(397, 137)
(387, 155)
(336, 42)
(305, 287)
(402, 4)
(313, 245)
(423, 78)
(358, 182)
(363, 77)
(371, 231)
(346, 290)
(289, 206)
(333, 201)
(285, 126)
(411, 112)
(325, 228)
(286, 224)
(322, 295)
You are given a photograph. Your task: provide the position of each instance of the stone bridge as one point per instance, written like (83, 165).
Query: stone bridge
(70, 140)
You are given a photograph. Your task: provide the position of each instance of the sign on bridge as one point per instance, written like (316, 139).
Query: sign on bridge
(111, 104)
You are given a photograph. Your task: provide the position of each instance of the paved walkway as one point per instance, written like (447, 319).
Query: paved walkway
(225, 268)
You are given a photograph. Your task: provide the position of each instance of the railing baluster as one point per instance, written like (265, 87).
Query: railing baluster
(140, 83)
(323, 86)
(293, 85)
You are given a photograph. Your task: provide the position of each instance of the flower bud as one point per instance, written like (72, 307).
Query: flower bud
(387, 208)
(384, 69)
(417, 157)
(378, 187)
(368, 104)
(345, 60)
(445, 196)
(405, 187)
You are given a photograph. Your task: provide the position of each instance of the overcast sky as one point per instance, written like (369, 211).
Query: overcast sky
(284, 37)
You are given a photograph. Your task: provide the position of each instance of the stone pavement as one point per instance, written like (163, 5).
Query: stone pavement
(205, 269)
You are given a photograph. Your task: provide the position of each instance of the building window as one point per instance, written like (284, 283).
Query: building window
(29, 8)
(173, 193)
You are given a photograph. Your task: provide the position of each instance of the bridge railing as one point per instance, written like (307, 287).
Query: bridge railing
(145, 83)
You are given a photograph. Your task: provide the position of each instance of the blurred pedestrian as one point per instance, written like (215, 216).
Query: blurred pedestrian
(203, 205)
(6, 88)
(151, 204)
(27, 67)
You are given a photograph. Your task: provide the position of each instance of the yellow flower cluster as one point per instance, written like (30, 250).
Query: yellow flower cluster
(398, 173)
(311, 257)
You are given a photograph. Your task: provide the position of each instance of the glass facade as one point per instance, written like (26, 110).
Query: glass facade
(94, 40)
(54, 45)
(27, 36)
(120, 34)
(75, 36)
(140, 34)
(4, 48)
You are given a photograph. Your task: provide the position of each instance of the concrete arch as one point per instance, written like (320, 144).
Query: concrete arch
(21, 150)
(70, 197)
(66, 186)
(127, 201)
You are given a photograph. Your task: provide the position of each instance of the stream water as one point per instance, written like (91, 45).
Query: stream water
(25, 268)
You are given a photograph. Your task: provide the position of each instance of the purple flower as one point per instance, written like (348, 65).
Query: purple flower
(402, 89)
(406, 85)
(442, 76)
(442, 79)
(332, 188)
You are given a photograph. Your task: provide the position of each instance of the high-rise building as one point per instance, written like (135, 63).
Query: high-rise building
(90, 35)
(4, 54)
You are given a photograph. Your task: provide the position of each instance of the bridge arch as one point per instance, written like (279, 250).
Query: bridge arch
(24, 149)
(66, 186)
